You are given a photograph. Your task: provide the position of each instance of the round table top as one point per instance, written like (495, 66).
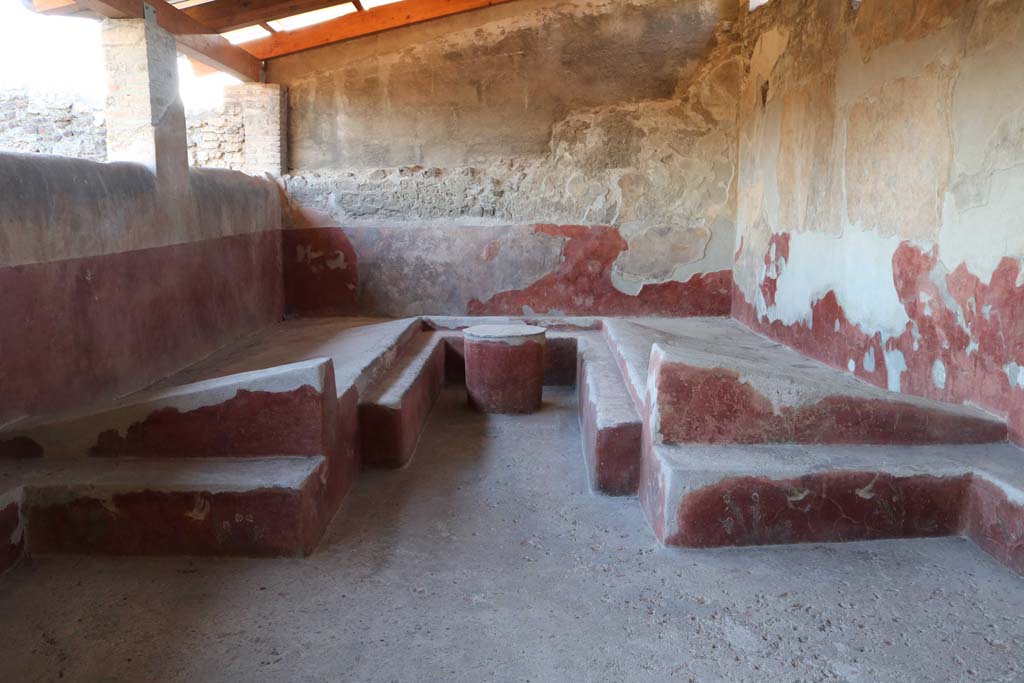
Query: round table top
(499, 332)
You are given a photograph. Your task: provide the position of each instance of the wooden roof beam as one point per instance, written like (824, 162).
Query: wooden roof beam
(226, 15)
(359, 24)
(58, 7)
(194, 39)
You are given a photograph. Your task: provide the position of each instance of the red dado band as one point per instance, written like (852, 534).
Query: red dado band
(505, 367)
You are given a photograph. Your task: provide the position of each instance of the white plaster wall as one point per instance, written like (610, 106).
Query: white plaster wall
(928, 149)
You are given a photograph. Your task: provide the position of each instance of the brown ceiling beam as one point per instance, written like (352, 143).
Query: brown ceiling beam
(359, 24)
(194, 39)
(225, 15)
(60, 7)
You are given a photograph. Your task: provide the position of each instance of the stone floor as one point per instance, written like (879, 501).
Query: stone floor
(488, 559)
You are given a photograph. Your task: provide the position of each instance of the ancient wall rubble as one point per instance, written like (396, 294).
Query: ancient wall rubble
(216, 137)
(40, 124)
(75, 127)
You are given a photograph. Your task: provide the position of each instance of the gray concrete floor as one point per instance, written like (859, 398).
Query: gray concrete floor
(488, 559)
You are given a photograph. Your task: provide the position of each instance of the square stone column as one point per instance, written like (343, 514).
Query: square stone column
(264, 108)
(144, 114)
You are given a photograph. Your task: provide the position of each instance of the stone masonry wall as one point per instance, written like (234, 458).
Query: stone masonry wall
(64, 126)
(216, 136)
(51, 125)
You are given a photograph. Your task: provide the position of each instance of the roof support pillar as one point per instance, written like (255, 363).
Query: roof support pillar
(144, 114)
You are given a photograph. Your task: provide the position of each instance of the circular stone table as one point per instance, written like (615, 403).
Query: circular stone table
(504, 367)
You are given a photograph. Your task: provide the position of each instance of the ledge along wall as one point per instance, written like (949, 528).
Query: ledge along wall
(109, 285)
(534, 157)
(881, 188)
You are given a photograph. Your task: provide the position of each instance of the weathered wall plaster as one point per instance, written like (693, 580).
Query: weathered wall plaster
(627, 127)
(110, 285)
(488, 270)
(486, 84)
(881, 183)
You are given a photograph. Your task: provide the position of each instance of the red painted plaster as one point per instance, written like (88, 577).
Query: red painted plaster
(19, 448)
(388, 436)
(652, 493)
(819, 339)
(504, 378)
(265, 522)
(995, 523)
(975, 329)
(559, 360)
(89, 329)
(613, 453)
(582, 284)
(10, 552)
(824, 507)
(252, 423)
(616, 460)
(712, 405)
(344, 460)
(454, 359)
(321, 272)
